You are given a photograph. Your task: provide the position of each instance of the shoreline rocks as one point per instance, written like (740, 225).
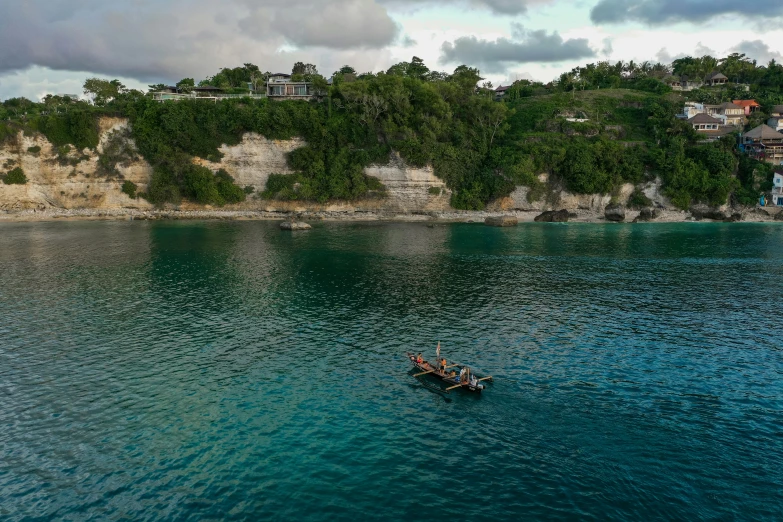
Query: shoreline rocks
(294, 225)
(700, 212)
(748, 214)
(501, 221)
(647, 214)
(615, 213)
(553, 216)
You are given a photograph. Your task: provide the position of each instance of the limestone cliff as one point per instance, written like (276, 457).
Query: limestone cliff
(69, 178)
(252, 161)
(408, 189)
(555, 197)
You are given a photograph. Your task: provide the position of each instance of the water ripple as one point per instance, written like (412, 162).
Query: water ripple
(226, 370)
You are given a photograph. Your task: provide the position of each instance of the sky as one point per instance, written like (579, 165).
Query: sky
(52, 46)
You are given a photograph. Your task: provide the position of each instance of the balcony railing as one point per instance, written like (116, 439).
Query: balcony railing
(166, 96)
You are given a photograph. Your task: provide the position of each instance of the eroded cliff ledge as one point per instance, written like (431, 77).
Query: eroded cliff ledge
(59, 178)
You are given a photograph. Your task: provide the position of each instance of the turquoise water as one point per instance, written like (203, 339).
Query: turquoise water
(228, 370)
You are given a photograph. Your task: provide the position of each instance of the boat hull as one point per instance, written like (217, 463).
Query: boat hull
(426, 366)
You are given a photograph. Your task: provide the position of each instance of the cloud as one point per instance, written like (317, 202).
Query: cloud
(525, 47)
(501, 7)
(757, 50)
(658, 12)
(341, 24)
(508, 7)
(170, 39)
(608, 47)
(663, 56)
(407, 41)
(703, 50)
(513, 76)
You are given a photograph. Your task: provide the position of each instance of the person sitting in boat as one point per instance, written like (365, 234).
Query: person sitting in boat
(453, 374)
(419, 359)
(473, 380)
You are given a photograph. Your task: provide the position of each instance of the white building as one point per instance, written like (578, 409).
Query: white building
(691, 109)
(777, 189)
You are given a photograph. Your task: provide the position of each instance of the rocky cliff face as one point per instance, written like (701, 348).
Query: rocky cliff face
(63, 178)
(70, 179)
(555, 198)
(252, 161)
(409, 189)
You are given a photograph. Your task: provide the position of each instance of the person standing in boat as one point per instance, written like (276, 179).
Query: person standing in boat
(443, 365)
(462, 375)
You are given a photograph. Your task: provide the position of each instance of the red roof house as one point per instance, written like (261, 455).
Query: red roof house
(748, 105)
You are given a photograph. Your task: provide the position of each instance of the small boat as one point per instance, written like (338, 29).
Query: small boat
(427, 368)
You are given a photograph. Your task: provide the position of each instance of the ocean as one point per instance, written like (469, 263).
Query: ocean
(229, 370)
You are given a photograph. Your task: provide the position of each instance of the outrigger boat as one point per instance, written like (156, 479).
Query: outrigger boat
(427, 368)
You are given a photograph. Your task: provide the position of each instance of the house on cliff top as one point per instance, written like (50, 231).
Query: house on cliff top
(281, 86)
(710, 128)
(750, 106)
(764, 143)
(716, 78)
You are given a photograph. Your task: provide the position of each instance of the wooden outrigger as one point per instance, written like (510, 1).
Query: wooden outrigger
(427, 368)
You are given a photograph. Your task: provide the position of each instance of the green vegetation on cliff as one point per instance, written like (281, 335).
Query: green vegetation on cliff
(597, 127)
(15, 177)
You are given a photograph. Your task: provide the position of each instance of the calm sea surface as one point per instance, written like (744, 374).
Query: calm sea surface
(228, 370)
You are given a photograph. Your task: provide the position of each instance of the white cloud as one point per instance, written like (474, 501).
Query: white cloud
(52, 45)
(36, 82)
(758, 50)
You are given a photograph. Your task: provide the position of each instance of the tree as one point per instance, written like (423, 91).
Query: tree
(102, 92)
(466, 78)
(346, 69)
(320, 87)
(304, 69)
(519, 89)
(417, 69)
(257, 79)
(186, 85)
(490, 120)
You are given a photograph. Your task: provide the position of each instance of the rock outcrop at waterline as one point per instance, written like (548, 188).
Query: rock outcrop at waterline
(553, 216)
(647, 214)
(501, 221)
(294, 225)
(699, 212)
(615, 213)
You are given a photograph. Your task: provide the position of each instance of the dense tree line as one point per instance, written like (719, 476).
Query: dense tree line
(480, 147)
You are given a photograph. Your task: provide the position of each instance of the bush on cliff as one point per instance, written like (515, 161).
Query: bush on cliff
(77, 127)
(195, 183)
(129, 188)
(15, 177)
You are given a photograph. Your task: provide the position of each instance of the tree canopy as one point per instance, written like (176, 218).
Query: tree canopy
(598, 126)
